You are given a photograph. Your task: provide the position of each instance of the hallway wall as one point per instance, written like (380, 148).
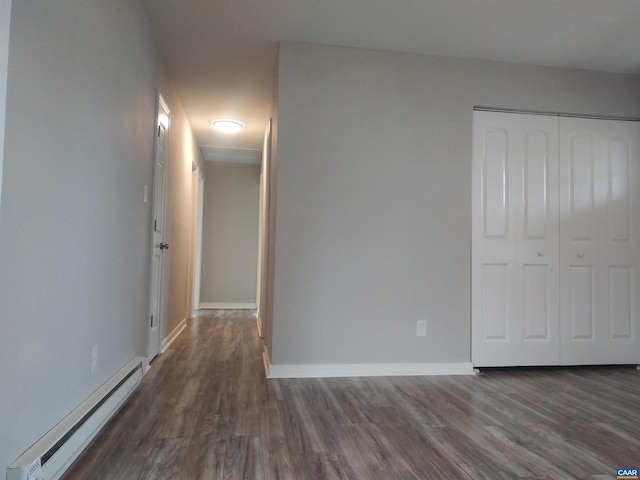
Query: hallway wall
(75, 233)
(230, 234)
(374, 194)
(5, 20)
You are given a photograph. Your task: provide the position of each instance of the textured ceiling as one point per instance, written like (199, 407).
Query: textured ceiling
(222, 53)
(231, 155)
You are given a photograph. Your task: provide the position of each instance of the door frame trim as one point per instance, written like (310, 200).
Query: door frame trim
(160, 104)
(197, 271)
(480, 108)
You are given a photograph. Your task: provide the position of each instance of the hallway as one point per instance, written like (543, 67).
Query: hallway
(205, 411)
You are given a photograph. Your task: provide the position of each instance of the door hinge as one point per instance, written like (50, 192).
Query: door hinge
(152, 320)
(155, 225)
(159, 130)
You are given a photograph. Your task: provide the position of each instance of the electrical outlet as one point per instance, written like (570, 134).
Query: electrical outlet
(94, 359)
(421, 328)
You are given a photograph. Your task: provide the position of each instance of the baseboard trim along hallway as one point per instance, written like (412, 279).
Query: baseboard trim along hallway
(166, 343)
(228, 306)
(329, 370)
(265, 360)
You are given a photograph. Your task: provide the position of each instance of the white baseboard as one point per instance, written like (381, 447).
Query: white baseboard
(146, 366)
(365, 369)
(229, 306)
(166, 343)
(259, 325)
(266, 361)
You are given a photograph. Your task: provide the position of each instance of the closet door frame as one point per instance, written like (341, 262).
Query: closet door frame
(614, 341)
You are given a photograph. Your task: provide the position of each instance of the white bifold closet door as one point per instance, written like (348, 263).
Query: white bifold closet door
(515, 277)
(599, 241)
(555, 244)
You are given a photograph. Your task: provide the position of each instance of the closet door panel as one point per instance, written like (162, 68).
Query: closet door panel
(600, 231)
(495, 309)
(581, 314)
(536, 291)
(536, 180)
(515, 304)
(579, 218)
(620, 199)
(620, 303)
(537, 252)
(494, 188)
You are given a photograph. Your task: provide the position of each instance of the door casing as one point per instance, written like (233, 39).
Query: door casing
(158, 284)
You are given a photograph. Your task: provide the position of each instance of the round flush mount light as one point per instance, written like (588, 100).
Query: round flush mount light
(227, 126)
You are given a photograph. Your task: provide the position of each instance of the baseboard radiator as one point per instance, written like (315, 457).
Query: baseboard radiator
(49, 457)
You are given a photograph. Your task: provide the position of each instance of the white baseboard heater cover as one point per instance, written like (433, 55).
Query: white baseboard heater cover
(49, 457)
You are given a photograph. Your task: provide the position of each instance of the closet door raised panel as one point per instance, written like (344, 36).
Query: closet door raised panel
(515, 303)
(600, 231)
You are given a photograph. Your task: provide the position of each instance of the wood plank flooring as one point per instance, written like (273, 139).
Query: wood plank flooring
(206, 412)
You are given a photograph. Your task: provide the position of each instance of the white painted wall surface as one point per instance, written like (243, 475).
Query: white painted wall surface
(5, 21)
(374, 194)
(75, 230)
(230, 233)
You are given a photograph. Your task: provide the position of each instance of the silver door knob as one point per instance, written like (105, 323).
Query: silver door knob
(541, 254)
(164, 246)
(580, 254)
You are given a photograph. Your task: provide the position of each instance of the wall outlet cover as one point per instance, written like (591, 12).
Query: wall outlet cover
(94, 359)
(421, 328)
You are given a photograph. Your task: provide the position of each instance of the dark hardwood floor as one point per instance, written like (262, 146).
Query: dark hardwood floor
(205, 411)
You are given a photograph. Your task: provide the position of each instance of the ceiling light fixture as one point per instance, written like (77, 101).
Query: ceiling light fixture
(227, 126)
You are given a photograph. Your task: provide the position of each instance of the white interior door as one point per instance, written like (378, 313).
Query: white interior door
(159, 246)
(515, 252)
(600, 238)
(198, 258)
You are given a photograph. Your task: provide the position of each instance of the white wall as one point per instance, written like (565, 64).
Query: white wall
(374, 194)
(268, 172)
(75, 237)
(5, 20)
(230, 233)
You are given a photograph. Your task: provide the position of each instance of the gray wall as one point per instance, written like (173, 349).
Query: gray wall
(5, 20)
(269, 180)
(374, 194)
(230, 233)
(75, 232)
